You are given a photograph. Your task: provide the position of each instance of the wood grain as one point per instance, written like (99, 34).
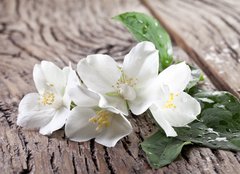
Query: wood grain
(63, 31)
(209, 32)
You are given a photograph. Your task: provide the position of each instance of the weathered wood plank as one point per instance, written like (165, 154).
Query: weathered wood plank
(60, 31)
(63, 31)
(208, 31)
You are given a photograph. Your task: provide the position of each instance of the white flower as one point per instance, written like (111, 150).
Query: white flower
(127, 86)
(49, 108)
(175, 108)
(87, 121)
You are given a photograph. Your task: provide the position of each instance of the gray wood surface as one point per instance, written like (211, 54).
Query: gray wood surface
(65, 31)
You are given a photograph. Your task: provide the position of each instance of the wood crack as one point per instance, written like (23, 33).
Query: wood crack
(125, 146)
(93, 155)
(12, 32)
(28, 153)
(52, 163)
(6, 113)
(41, 31)
(108, 161)
(3, 27)
(74, 164)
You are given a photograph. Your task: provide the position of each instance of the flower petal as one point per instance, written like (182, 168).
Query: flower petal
(39, 79)
(78, 128)
(28, 103)
(187, 109)
(142, 62)
(54, 76)
(176, 77)
(113, 102)
(119, 128)
(160, 118)
(56, 123)
(147, 96)
(72, 81)
(83, 97)
(31, 114)
(99, 72)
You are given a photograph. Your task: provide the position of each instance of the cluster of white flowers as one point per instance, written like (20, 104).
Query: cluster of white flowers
(95, 103)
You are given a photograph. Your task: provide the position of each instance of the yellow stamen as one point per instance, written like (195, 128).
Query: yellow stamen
(169, 104)
(102, 119)
(48, 98)
(124, 79)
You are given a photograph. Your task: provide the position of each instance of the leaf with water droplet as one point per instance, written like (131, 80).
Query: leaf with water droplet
(220, 126)
(211, 131)
(146, 28)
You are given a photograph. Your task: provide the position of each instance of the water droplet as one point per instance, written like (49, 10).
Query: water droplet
(220, 106)
(145, 29)
(211, 131)
(210, 141)
(206, 100)
(228, 130)
(169, 51)
(221, 139)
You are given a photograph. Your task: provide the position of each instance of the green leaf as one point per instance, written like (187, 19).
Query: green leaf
(219, 125)
(161, 150)
(197, 77)
(218, 128)
(146, 28)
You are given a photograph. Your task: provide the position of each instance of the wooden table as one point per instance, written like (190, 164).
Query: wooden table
(205, 33)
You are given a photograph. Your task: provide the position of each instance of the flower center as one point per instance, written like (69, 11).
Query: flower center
(169, 104)
(125, 86)
(102, 119)
(48, 98)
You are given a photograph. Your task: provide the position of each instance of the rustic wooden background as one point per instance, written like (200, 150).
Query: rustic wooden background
(205, 33)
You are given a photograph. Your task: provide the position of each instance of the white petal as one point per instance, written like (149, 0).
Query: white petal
(31, 114)
(78, 128)
(160, 118)
(35, 120)
(147, 96)
(127, 92)
(54, 76)
(115, 103)
(187, 109)
(39, 78)
(72, 81)
(72, 78)
(142, 62)
(176, 77)
(99, 72)
(119, 128)
(28, 103)
(56, 123)
(83, 97)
